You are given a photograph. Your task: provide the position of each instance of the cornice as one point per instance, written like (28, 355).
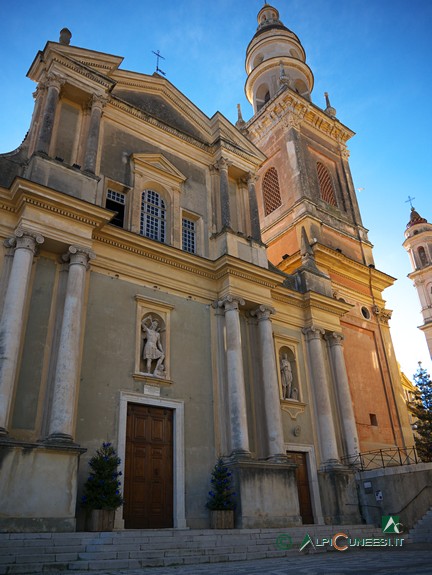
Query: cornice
(23, 192)
(143, 247)
(288, 103)
(340, 263)
(318, 301)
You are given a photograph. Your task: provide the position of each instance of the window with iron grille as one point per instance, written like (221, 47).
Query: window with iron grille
(326, 185)
(116, 201)
(153, 216)
(271, 191)
(189, 235)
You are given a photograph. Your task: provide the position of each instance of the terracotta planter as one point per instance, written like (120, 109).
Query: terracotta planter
(100, 520)
(222, 519)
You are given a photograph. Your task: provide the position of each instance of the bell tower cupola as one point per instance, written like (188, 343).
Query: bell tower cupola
(275, 58)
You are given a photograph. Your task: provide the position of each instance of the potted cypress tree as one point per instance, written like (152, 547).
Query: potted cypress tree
(102, 496)
(221, 498)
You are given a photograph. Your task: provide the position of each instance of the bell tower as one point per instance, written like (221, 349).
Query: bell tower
(306, 181)
(311, 224)
(418, 243)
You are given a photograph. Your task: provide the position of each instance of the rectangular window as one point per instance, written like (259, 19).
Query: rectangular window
(116, 201)
(189, 235)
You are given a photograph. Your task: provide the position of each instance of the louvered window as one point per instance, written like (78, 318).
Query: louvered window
(271, 191)
(326, 185)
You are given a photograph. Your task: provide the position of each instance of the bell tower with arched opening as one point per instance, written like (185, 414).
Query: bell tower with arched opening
(418, 243)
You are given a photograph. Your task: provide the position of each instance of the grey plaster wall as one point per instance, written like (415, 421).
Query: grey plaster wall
(108, 364)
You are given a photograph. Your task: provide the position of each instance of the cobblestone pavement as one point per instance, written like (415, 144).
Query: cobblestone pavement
(362, 562)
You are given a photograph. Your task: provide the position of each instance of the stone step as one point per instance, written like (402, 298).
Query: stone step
(26, 553)
(422, 530)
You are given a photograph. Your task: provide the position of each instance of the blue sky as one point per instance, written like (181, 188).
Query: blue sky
(372, 57)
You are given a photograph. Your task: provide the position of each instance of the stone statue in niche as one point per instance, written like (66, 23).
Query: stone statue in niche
(153, 350)
(286, 376)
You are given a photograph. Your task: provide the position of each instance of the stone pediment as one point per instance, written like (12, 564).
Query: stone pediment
(157, 164)
(99, 62)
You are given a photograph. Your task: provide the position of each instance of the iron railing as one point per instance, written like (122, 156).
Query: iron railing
(390, 457)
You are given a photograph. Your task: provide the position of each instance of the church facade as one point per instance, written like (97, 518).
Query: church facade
(186, 289)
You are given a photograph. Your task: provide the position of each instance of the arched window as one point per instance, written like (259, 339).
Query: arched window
(422, 256)
(326, 185)
(271, 192)
(153, 216)
(262, 96)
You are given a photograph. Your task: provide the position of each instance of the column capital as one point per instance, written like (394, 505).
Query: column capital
(24, 239)
(53, 80)
(230, 302)
(78, 255)
(263, 312)
(252, 178)
(98, 101)
(313, 332)
(335, 338)
(222, 164)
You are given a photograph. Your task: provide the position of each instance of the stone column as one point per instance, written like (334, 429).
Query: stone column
(327, 435)
(67, 372)
(275, 441)
(345, 403)
(253, 208)
(224, 193)
(12, 321)
(235, 377)
(54, 84)
(98, 103)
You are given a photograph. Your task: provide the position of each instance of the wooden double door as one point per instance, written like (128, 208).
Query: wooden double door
(148, 481)
(299, 458)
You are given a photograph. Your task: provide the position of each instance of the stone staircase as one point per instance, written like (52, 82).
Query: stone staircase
(422, 530)
(28, 553)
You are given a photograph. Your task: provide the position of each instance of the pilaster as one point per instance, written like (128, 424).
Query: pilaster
(327, 435)
(235, 376)
(54, 84)
(275, 442)
(347, 417)
(66, 379)
(25, 243)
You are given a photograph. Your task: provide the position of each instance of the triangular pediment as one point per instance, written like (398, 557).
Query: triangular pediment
(160, 99)
(157, 164)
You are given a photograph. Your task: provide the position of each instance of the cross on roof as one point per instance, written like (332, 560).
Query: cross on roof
(158, 56)
(410, 200)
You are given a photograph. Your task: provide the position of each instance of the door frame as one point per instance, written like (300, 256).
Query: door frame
(313, 478)
(177, 406)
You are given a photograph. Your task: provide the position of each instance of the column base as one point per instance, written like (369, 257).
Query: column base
(60, 439)
(277, 458)
(331, 464)
(240, 455)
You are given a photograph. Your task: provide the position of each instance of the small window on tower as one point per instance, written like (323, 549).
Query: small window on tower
(116, 201)
(373, 419)
(422, 256)
(271, 191)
